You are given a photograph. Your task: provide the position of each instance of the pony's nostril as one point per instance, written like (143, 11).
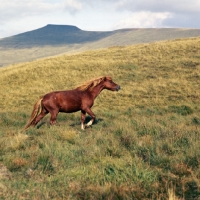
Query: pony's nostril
(118, 87)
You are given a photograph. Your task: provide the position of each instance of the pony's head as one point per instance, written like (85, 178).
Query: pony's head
(109, 84)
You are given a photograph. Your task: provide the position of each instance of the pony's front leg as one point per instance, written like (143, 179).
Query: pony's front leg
(89, 111)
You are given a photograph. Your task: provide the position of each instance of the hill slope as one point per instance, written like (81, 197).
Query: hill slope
(145, 143)
(56, 39)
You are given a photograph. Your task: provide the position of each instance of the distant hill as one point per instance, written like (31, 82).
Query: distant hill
(53, 35)
(56, 39)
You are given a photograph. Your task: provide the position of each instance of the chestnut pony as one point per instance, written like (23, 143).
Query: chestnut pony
(68, 101)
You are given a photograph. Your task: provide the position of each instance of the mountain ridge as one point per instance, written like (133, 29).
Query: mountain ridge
(52, 34)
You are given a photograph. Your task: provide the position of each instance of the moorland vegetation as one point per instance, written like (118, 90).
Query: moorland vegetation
(145, 143)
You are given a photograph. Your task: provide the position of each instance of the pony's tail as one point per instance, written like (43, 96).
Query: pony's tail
(36, 111)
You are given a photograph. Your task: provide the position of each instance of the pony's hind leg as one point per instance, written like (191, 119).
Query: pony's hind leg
(40, 116)
(53, 117)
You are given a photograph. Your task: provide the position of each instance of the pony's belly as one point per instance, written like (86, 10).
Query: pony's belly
(69, 110)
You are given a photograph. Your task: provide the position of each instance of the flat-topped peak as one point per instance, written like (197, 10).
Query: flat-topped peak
(61, 27)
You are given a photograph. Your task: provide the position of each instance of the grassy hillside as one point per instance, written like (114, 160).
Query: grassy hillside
(144, 144)
(56, 39)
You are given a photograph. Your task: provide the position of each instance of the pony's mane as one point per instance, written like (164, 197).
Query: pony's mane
(92, 83)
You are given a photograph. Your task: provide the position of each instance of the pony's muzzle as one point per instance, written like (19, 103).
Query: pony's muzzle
(117, 88)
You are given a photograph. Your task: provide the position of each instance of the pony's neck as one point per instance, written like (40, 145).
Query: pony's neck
(96, 90)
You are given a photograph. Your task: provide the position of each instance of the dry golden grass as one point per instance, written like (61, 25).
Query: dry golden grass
(160, 71)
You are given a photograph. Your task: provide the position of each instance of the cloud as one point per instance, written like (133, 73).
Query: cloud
(173, 6)
(183, 20)
(72, 6)
(15, 9)
(143, 20)
(165, 13)
(23, 15)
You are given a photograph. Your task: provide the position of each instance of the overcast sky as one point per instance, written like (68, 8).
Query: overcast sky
(18, 16)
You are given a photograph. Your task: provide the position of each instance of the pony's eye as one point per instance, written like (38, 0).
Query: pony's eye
(110, 81)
